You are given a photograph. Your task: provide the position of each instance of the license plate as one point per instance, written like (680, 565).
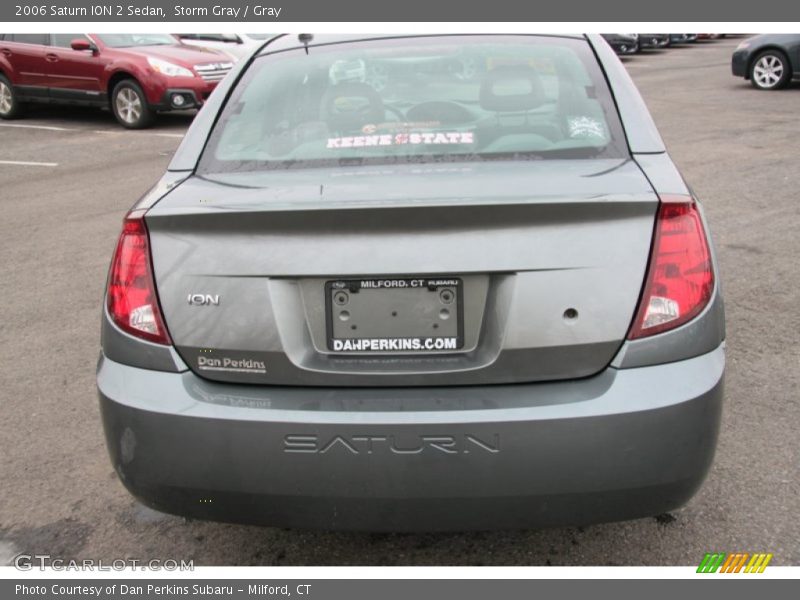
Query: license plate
(408, 315)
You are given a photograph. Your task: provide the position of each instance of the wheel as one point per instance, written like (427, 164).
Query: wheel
(770, 70)
(633, 48)
(10, 107)
(130, 105)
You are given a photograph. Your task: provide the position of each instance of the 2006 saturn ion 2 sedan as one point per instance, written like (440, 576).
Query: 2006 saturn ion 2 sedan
(377, 290)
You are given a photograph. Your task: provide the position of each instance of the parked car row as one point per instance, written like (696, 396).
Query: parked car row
(631, 43)
(768, 61)
(138, 76)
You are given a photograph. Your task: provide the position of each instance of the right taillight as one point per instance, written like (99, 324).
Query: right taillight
(680, 276)
(132, 300)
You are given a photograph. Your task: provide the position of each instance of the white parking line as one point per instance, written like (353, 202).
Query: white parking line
(46, 127)
(105, 131)
(26, 163)
(123, 131)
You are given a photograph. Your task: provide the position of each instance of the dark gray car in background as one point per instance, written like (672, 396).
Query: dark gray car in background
(770, 61)
(439, 303)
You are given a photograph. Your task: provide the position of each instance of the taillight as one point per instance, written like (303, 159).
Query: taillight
(680, 277)
(132, 300)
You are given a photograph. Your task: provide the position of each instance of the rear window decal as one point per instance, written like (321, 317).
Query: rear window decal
(585, 127)
(360, 141)
(403, 139)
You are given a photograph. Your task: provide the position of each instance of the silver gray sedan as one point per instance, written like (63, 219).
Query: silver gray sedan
(416, 283)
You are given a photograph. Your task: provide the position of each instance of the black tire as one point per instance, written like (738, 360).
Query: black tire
(130, 107)
(10, 106)
(770, 70)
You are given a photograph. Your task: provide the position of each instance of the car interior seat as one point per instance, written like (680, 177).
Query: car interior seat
(512, 93)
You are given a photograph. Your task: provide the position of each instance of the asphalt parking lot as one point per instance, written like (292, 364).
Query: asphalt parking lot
(61, 214)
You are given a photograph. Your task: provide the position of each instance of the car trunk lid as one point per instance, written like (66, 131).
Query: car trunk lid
(549, 256)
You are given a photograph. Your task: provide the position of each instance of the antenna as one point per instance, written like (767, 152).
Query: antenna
(305, 38)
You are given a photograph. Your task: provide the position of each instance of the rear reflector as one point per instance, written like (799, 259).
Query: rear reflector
(680, 277)
(132, 300)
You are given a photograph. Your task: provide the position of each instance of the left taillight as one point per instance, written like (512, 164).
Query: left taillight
(132, 299)
(680, 277)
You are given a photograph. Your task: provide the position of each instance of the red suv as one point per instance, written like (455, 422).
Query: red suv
(136, 74)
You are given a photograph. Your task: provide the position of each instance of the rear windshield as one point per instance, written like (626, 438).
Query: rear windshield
(417, 100)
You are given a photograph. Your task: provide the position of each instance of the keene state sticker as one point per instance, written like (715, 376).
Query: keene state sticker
(403, 139)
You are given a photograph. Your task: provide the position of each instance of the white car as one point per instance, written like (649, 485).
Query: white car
(235, 45)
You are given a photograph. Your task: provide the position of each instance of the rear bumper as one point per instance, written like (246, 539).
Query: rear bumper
(623, 444)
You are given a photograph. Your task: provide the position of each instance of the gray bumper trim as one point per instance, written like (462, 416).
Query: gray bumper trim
(620, 445)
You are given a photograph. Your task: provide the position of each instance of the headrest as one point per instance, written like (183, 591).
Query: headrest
(512, 89)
